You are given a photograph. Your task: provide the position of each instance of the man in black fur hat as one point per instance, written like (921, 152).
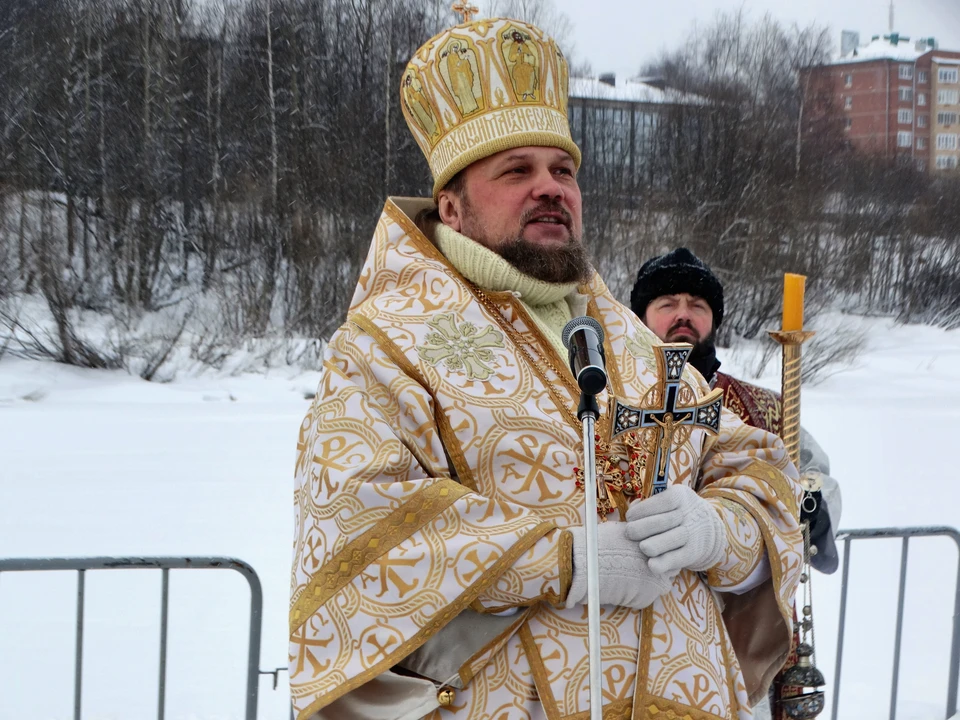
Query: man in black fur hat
(678, 297)
(681, 300)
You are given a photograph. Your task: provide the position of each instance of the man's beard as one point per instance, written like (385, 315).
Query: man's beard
(683, 324)
(564, 263)
(704, 356)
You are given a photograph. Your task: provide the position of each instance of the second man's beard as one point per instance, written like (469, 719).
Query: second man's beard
(704, 356)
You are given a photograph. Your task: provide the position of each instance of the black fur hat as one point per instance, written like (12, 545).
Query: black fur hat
(676, 272)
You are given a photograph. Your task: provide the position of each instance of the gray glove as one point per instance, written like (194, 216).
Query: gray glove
(677, 529)
(625, 578)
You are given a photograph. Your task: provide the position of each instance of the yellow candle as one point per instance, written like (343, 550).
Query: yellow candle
(793, 301)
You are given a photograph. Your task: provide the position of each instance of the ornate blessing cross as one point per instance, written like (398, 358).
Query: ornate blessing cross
(665, 424)
(465, 9)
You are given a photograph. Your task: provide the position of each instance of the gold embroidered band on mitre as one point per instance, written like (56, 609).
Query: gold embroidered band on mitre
(483, 87)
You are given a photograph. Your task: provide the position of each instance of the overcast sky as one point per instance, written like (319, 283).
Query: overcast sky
(622, 35)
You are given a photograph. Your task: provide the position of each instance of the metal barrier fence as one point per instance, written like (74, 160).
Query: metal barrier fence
(165, 565)
(906, 534)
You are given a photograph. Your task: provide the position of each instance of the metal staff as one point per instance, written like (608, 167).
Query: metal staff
(583, 338)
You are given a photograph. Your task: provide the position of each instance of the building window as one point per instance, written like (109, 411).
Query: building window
(906, 72)
(905, 139)
(946, 162)
(905, 117)
(946, 141)
(906, 94)
(921, 98)
(946, 118)
(922, 77)
(947, 75)
(847, 123)
(921, 143)
(921, 121)
(948, 97)
(848, 80)
(848, 103)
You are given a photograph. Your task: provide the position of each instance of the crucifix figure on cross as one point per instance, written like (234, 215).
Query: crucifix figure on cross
(668, 426)
(670, 411)
(466, 10)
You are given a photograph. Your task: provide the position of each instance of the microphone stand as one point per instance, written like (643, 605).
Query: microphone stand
(583, 338)
(588, 412)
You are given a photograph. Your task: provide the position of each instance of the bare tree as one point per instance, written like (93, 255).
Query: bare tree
(159, 155)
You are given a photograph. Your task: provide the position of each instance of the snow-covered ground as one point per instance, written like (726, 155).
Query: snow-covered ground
(99, 463)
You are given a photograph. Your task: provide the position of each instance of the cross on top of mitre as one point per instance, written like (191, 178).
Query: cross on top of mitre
(466, 10)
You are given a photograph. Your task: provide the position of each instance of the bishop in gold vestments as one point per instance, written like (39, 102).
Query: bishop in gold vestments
(436, 482)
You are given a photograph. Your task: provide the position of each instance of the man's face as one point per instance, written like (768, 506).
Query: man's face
(523, 204)
(679, 318)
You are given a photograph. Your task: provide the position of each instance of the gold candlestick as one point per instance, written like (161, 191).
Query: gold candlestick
(792, 700)
(790, 342)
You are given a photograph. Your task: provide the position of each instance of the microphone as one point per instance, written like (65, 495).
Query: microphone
(583, 338)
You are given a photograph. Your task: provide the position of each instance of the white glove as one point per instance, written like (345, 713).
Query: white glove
(625, 578)
(677, 529)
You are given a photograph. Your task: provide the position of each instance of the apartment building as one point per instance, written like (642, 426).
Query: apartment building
(897, 98)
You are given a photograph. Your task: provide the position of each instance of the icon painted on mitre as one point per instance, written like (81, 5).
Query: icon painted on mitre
(523, 59)
(461, 74)
(418, 105)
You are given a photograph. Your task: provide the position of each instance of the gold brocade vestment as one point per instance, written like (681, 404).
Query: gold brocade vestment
(435, 473)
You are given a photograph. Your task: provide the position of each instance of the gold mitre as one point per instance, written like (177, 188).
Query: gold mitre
(482, 87)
